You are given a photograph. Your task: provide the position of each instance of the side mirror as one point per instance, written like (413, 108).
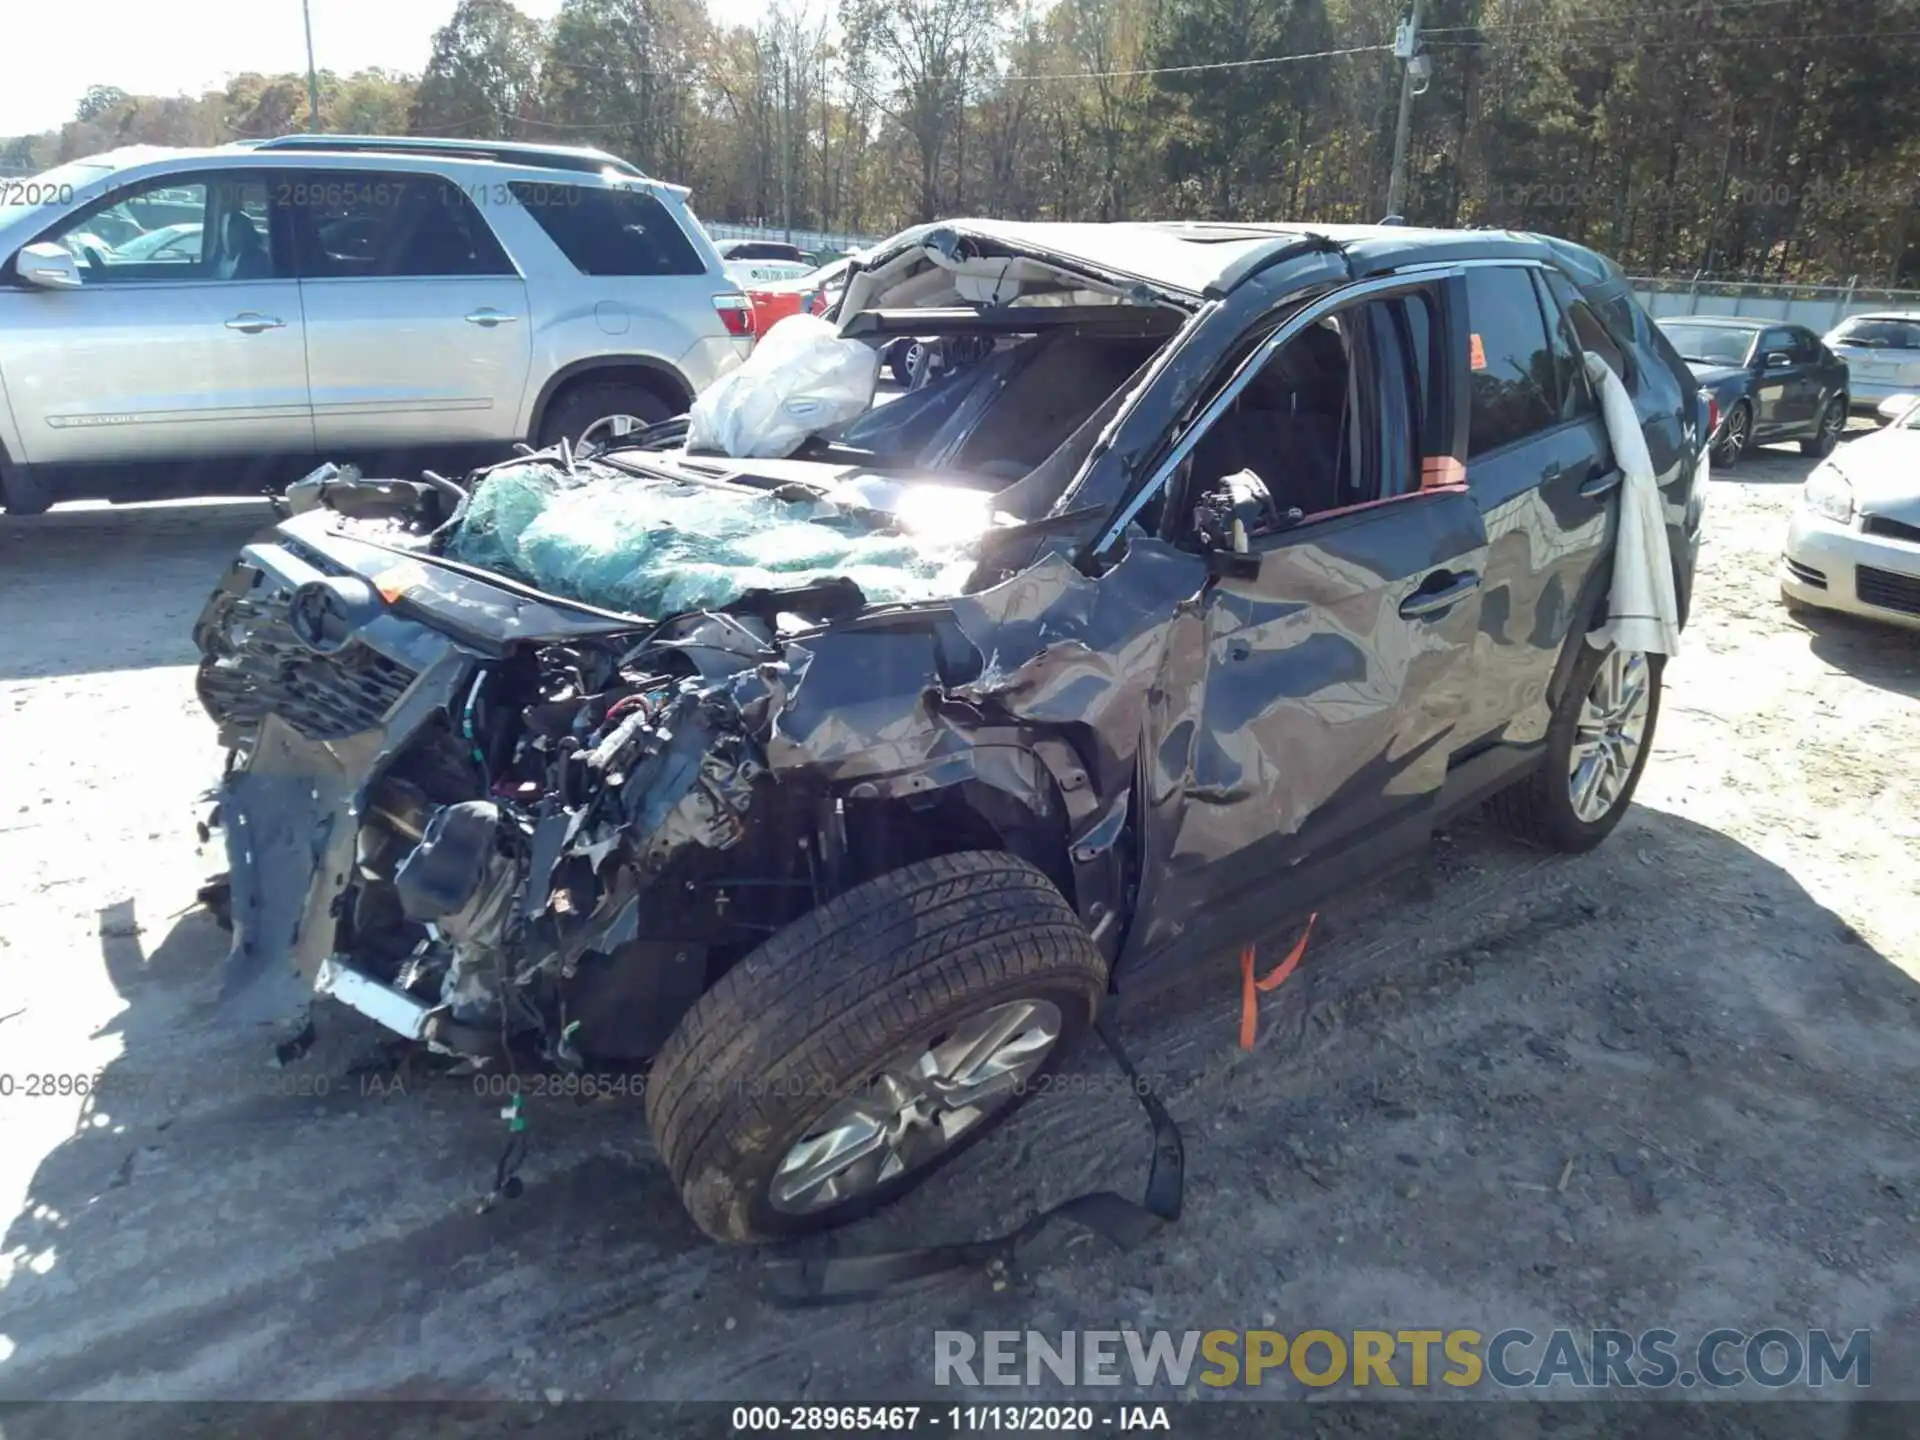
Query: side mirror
(49, 266)
(1234, 507)
(1778, 360)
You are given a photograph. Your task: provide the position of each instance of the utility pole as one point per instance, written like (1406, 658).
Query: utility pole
(313, 78)
(1406, 46)
(786, 146)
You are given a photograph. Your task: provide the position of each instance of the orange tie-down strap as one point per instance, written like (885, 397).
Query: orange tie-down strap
(1438, 470)
(1250, 986)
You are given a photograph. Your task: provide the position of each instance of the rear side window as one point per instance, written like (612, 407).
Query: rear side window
(371, 224)
(1881, 334)
(1512, 373)
(610, 232)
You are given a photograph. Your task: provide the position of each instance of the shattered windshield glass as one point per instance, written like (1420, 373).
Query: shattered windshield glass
(654, 547)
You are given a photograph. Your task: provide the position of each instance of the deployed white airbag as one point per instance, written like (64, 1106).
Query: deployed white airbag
(801, 380)
(1643, 613)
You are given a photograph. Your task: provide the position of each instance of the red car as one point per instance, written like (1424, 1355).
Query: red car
(811, 294)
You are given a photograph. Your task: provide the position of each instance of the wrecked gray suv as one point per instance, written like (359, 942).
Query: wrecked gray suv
(840, 789)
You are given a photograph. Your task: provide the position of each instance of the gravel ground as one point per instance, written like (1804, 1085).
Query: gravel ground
(1670, 1084)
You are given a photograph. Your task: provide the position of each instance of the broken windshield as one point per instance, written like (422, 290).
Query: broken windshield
(654, 548)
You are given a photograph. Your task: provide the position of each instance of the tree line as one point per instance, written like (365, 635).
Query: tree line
(1772, 139)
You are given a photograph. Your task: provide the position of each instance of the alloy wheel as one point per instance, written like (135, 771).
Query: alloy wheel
(607, 430)
(920, 1103)
(1607, 736)
(1733, 443)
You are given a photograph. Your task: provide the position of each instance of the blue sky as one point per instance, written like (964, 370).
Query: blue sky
(166, 48)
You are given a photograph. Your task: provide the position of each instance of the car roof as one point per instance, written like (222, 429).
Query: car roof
(1911, 316)
(1204, 256)
(581, 165)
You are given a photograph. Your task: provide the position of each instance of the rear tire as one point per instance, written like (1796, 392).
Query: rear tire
(1542, 808)
(1833, 419)
(820, 1016)
(597, 412)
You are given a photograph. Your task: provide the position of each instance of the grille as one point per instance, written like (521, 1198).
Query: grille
(1887, 590)
(264, 669)
(1891, 529)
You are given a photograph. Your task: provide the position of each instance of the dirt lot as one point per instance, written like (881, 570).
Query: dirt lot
(1712, 1021)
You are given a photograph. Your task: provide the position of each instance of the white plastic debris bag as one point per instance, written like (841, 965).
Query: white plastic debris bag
(1643, 613)
(802, 379)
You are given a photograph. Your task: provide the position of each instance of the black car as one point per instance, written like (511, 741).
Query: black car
(840, 789)
(1771, 381)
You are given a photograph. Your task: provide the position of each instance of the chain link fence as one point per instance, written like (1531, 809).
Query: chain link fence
(1818, 307)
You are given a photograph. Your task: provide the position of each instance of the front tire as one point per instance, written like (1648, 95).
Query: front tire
(21, 494)
(1735, 436)
(1833, 420)
(855, 1052)
(1597, 747)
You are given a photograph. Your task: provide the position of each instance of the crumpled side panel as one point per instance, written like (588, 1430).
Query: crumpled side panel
(1063, 649)
(655, 548)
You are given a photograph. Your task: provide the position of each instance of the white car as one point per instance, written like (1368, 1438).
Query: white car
(1854, 543)
(1882, 351)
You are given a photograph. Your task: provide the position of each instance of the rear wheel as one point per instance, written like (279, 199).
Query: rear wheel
(1597, 746)
(1833, 420)
(1735, 436)
(870, 1042)
(597, 415)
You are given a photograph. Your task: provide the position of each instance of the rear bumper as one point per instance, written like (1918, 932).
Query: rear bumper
(1835, 567)
(1865, 395)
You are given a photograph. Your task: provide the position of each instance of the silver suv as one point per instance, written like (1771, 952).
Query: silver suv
(195, 322)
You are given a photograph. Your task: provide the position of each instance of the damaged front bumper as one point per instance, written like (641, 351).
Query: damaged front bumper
(328, 659)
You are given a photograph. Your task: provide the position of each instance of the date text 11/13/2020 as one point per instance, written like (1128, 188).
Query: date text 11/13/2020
(962, 1419)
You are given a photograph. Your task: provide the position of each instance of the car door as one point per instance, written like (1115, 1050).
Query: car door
(1814, 378)
(418, 331)
(1541, 470)
(196, 350)
(1300, 732)
(1778, 390)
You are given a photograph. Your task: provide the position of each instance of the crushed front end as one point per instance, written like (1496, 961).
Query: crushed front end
(484, 816)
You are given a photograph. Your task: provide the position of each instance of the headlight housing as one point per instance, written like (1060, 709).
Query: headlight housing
(1828, 493)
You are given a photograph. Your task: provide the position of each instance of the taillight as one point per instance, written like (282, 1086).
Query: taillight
(1713, 415)
(736, 313)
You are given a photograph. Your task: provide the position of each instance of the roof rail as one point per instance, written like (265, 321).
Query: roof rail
(550, 157)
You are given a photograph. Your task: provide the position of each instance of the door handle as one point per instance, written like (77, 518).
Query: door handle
(1601, 485)
(251, 322)
(490, 317)
(1441, 590)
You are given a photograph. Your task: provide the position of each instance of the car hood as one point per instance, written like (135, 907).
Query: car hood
(1884, 470)
(1715, 374)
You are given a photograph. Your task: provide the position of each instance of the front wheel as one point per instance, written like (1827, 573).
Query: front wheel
(1597, 745)
(1735, 435)
(1833, 420)
(855, 1052)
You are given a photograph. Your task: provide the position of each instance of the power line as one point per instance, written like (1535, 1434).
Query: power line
(1703, 43)
(1040, 76)
(1663, 13)
(611, 72)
